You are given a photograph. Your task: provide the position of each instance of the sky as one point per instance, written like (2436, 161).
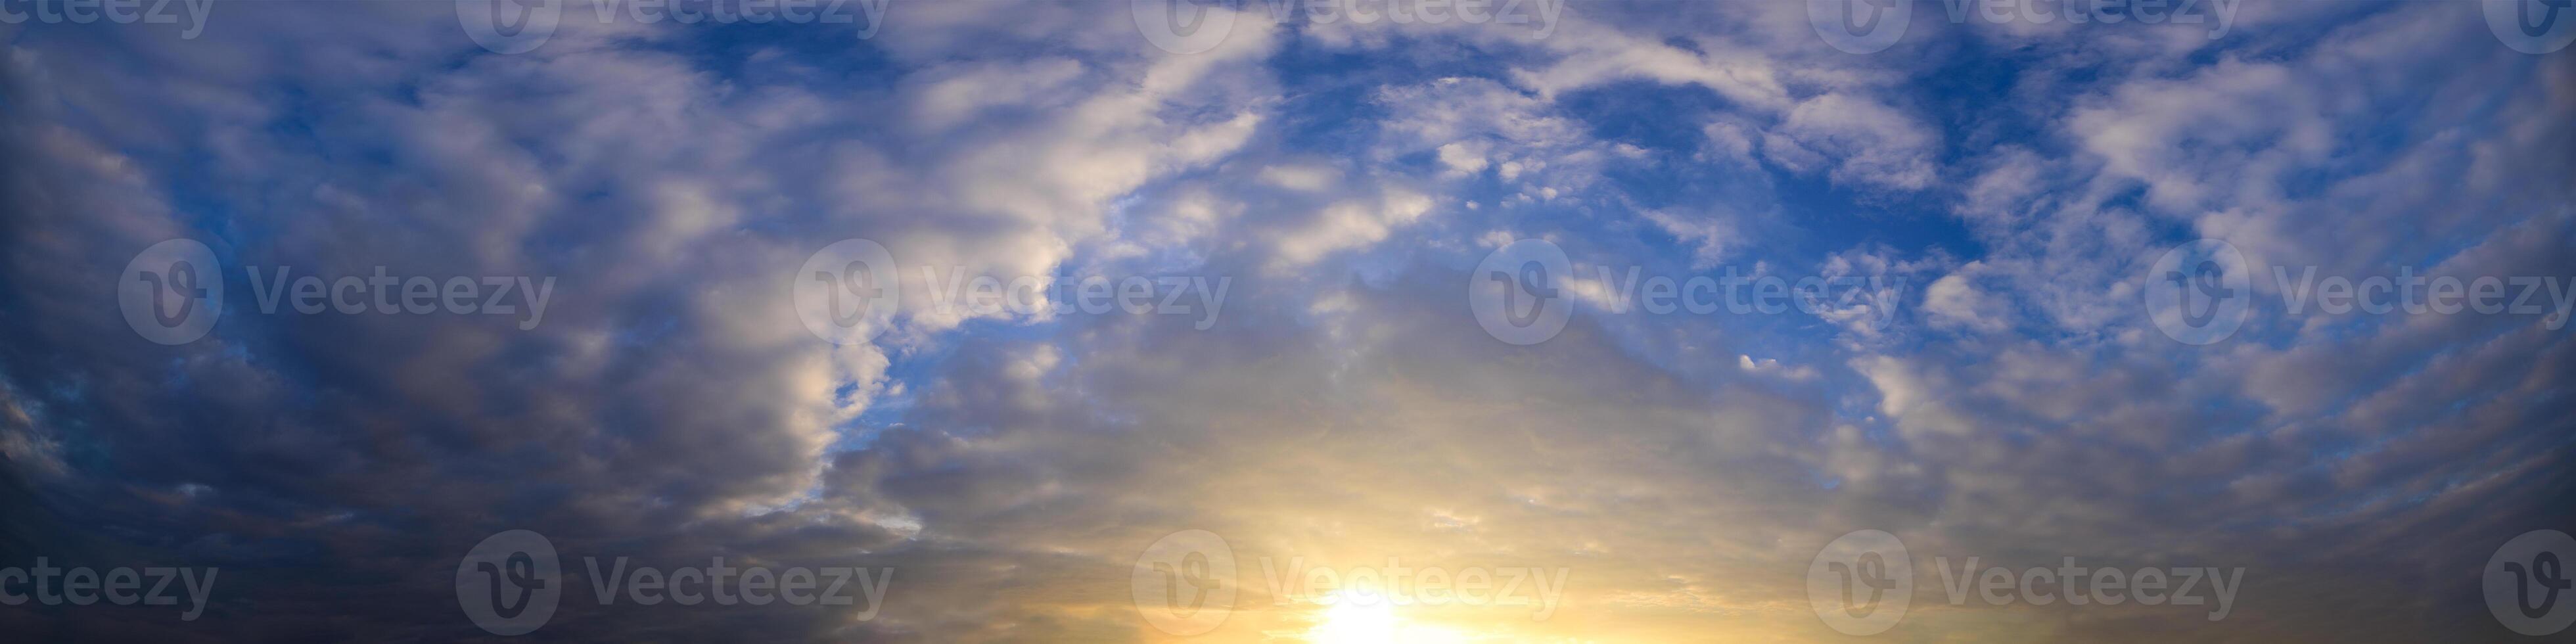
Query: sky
(1318, 321)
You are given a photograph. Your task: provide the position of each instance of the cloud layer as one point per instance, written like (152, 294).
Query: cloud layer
(2013, 399)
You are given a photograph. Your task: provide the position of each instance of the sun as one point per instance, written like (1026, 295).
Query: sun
(1359, 617)
(1355, 618)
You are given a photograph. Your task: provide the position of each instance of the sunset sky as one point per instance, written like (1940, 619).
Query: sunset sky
(1108, 321)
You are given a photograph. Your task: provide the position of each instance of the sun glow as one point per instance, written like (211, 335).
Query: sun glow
(1354, 618)
(1368, 618)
